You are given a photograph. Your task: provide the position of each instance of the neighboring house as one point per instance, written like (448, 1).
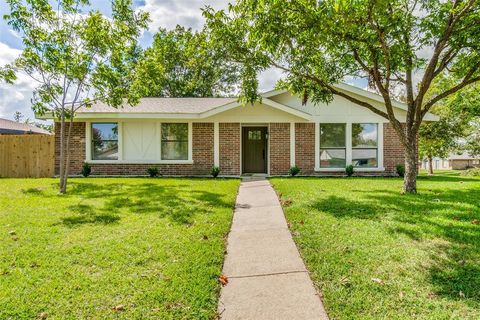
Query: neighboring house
(454, 161)
(463, 161)
(188, 136)
(12, 127)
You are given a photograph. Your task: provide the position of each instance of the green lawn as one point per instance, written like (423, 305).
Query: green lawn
(422, 251)
(154, 246)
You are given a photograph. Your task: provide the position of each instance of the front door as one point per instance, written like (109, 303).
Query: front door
(254, 149)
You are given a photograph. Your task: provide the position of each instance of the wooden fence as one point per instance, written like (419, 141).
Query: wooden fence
(23, 156)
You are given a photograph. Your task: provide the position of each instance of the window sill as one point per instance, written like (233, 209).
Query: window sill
(380, 169)
(153, 162)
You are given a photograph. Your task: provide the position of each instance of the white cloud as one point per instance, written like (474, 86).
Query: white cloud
(169, 13)
(15, 97)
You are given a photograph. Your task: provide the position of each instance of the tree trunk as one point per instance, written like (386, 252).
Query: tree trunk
(62, 150)
(430, 165)
(63, 187)
(411, 167)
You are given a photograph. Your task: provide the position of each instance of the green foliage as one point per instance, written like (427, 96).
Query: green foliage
(474, 172)
(317, 44)
(76, 56)
(184, 63)
(459, 113)
(86, 169)
(215, 171)
(152, 172)
(293, 171)
(400, 169)
(349, 170)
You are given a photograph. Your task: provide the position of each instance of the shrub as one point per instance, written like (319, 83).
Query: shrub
(86, 169)
(471, 172)
(294, 171)
(349, 170)
(215, 171)
(152, 172)
(400, 170)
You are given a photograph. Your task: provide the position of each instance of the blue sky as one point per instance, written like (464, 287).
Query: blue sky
(163, 13)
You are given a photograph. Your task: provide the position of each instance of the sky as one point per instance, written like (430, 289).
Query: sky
(163, 13)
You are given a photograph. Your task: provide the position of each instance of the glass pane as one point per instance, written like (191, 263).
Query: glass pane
(104, 131)
(332, 158)
(332, 135)
(105, 150)
(174, 150)
(174, 131)
(364, 135)
(255, 135)
(364, 157)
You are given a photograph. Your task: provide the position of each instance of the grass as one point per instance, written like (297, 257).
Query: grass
(154, 247)
(422, 251)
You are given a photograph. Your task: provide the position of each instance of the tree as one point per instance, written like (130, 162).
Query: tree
(456, 125)
(183, 63)
(76, 58)
(18, 116)
(319, 43)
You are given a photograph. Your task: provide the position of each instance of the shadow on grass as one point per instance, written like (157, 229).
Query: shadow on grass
(442, 214)
(177, 202)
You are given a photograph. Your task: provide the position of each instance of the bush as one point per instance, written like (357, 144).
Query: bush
(471, 173)
(215, 171)
(152, 172)
(86, 169)
(400, 170)
(349, 170)
(294, 171)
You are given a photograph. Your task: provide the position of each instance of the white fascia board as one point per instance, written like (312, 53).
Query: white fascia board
(287, 109)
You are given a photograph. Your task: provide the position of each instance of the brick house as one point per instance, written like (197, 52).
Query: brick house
(188, 136)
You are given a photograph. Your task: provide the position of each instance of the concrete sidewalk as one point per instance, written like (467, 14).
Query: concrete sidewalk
(266, 276)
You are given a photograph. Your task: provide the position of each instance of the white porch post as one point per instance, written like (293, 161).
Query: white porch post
(216, 144)
(348, 147)
(292, 144)
(317, 146)
(88, 141)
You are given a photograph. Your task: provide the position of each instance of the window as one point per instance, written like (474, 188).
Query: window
(104, 141)
(174, 144)
(365, 145)
(332, 145)
(255, 135)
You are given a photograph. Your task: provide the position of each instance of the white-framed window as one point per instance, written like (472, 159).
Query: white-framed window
(338, 145)
(104, 143)
(139, 141)
(365, 145)
(174, 141)
(333, 145)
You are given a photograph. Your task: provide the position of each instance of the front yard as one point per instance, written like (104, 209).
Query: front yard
(377, 254)
(113, 248)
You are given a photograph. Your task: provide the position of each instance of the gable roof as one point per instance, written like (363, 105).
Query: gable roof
(198, 108)
(12, 127)
(162, 105)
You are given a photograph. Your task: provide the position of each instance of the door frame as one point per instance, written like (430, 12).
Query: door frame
(266, 125)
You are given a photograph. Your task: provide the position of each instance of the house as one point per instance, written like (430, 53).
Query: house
(455, 161)
(188, 136)
(12, 127)
(460, 161)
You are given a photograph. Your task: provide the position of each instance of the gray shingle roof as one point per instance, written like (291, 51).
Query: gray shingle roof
(462, 156)
(163, 105)
(12, 127)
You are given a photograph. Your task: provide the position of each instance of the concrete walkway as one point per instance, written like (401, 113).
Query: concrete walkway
(266, 276)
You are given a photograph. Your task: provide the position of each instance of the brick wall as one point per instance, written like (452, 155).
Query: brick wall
(229, 136)
(279, 136)
(202, 154)
(305, 147)
(393, 151)
(77, 147)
